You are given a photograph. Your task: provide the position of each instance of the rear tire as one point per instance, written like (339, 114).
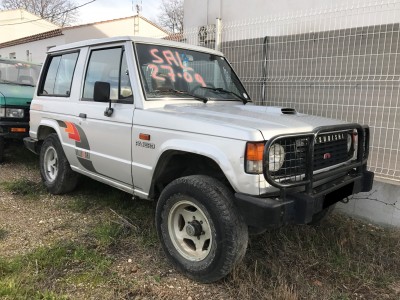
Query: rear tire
(200, 229)
(55, 170)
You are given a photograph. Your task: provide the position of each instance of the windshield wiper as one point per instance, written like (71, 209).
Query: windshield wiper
(225, 92)
(197, 97)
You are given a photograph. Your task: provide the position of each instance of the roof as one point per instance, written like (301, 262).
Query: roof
(154, 24)
(178, 37)
(118, 19)
(32, 38)
(135, 39)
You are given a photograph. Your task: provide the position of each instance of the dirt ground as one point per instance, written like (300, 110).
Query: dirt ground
(40, 220)
(295, 263)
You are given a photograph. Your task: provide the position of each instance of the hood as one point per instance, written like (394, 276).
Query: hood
(245, 122)
(14, 94)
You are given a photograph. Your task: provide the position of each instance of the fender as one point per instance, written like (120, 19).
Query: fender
(47, 123)
(69, 135)
(204, 149)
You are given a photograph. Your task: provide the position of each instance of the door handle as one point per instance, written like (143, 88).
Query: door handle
(82, 115)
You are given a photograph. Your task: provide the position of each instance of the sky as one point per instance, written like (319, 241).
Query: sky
(101, 10)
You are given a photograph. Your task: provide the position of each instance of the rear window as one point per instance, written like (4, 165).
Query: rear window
(58, 76)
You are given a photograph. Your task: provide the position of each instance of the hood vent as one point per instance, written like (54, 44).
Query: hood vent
(288, 111)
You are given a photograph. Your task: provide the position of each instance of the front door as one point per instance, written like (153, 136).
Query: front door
(105, 141)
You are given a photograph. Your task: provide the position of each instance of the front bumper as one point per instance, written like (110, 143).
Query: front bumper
(14, 130)
(310, 182)
(298, 207)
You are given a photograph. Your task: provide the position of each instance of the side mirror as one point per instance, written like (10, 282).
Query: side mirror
(101, 91)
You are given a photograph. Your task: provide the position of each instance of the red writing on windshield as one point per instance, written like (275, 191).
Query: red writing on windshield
(172, 63)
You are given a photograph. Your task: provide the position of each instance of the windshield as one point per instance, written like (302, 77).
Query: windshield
(169, 72)
(22, 73)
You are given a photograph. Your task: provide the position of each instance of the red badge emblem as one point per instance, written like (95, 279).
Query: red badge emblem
(327, 156)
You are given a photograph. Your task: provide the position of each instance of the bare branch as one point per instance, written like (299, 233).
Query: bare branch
(55, 11)
(171, 16)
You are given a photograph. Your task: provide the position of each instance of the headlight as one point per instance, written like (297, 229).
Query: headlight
(2, 112)
(276, 157)
(14, 113)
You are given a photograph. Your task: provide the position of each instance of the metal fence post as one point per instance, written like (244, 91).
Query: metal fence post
(218, 34)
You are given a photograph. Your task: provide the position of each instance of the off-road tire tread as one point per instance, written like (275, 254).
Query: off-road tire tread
(67, 179)
(234, 230)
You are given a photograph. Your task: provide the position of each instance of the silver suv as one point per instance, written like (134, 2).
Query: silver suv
(172, 123)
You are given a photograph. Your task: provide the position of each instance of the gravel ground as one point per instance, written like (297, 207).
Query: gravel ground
(45, 219)
(334, 255)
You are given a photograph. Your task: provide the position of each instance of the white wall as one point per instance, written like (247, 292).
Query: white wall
(15, 24)
(262, 18)
(37, 49)
(381, 205)
(119, 27)
(72, 34)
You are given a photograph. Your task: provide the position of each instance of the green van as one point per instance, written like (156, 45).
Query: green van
(17, 85)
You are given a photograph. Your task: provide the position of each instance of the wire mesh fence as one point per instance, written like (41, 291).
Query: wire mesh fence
(339, 62)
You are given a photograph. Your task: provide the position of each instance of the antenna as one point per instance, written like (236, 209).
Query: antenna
(137, 17)
(138, 7)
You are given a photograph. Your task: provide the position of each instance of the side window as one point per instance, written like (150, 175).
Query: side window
(108, 65)
(59, 74)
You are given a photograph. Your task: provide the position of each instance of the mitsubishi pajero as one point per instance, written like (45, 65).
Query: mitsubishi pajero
(172, 123)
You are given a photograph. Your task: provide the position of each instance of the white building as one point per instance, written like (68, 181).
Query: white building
(34, 47)
(19, 23)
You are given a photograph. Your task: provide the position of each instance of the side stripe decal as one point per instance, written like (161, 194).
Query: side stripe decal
(73, 133)
(76, 133)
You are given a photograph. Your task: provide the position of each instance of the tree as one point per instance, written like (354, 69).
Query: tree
(60, 12)
(171, 16)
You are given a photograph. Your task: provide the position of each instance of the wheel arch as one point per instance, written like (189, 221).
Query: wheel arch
(46, 130)
(174, 164)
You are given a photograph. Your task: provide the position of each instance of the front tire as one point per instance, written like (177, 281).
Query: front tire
(55, 170)
(200, 229)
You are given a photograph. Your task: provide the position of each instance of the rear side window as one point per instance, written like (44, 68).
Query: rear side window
(57, 80)
(109, 65)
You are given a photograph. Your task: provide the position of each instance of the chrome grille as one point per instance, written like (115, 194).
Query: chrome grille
(330, 149)
(309, 152)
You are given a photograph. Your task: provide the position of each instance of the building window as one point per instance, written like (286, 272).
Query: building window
(12, 55)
